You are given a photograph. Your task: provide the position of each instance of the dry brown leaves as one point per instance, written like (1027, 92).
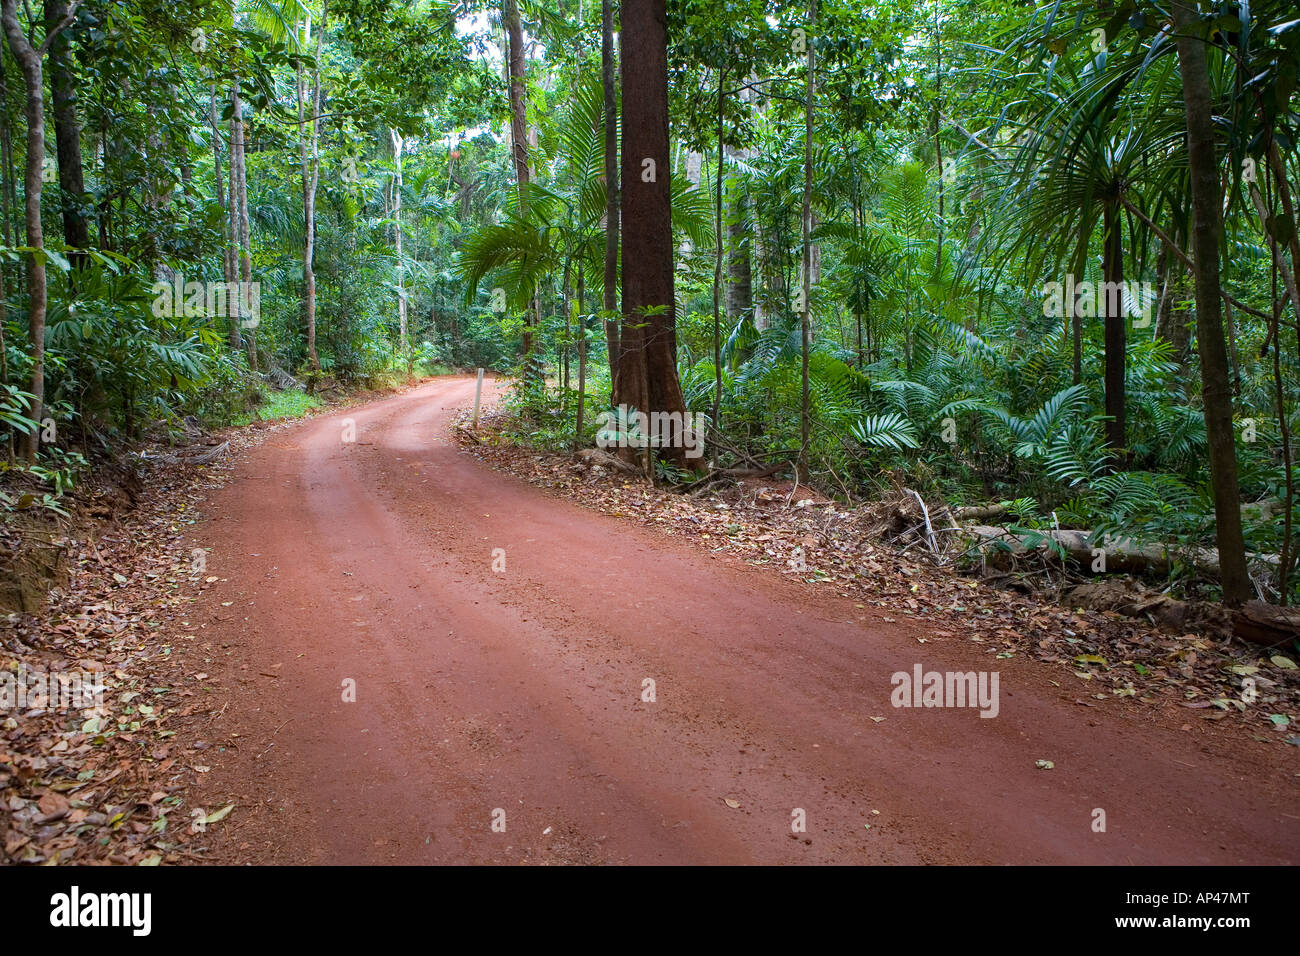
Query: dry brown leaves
(117, 784)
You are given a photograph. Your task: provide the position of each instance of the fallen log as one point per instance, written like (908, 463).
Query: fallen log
(742, 473)
(979, 512)
(595, 456)
(1122, 556)
(1266, 624)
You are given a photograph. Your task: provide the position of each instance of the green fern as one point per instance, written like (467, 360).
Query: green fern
(886, 431)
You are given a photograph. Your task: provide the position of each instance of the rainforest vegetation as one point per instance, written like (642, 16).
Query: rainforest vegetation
(1035, 257)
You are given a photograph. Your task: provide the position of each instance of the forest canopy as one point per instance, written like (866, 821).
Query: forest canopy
(1037, 259)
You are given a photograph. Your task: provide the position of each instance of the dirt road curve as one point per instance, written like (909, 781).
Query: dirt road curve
(520, 691)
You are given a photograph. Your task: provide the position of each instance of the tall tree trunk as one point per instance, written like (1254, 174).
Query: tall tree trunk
(717, 262)
(239, 203)
(1076, 345)
(154, 198)
(938, 141)
(309, 153)
(403, 336)
(219, 189)
(647, 373)
(233, 229)
(8, 195)
(517, 69)
(29, 62)
(805, 321)
(1234, 369)
(67, 132)
(1279, 396)
(1215, 392)
(608, 65)
(740, 289)
(566, 306)
(582, 355)
(1116, 331)
(6, 170)
(1171, 323)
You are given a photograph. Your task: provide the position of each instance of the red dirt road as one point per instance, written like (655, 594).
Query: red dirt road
(520, 691)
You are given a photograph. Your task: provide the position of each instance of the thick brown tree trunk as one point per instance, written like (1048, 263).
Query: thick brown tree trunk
(1215, 391)
(647, 371)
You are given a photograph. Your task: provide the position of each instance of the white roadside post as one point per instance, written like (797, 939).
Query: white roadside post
(478, 390)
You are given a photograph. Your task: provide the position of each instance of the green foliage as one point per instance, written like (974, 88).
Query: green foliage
(291, 403)
(962, 158)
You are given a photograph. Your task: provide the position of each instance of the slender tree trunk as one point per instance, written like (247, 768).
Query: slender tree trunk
(1234, 367)
(1279, 395)
(239, 202)
(805, 323)
(717, 263)
(1116, 330)
(231, 258)
(1164, 277)
(740, 290)
(582, 355)
(8, 197)
(1215, 392)
(310, 182)
(67, 132)
(608, 68)
(1288, 274)
(1076, 345)
(403, 333)
(938, 141)
(760, 263)
(1171, 323)
(517, 68)
(1278, 166)
(609, 83)
(29, 62)
(7, 234)
(153, 198)
(566, 306)
(647, 373)
(236, 335)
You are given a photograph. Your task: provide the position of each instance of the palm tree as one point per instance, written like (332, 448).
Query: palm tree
(1085, 154)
